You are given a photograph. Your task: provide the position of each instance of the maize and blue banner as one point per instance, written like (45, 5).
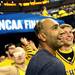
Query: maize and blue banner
(19, 22)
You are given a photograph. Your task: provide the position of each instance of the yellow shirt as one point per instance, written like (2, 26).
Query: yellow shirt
(29, 53)
(6, 62)
(62, 13)
(45, 13)
(69, 66)
(21, 71)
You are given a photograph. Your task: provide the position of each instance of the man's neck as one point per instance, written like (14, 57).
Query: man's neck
(50, 50)
(65, 47)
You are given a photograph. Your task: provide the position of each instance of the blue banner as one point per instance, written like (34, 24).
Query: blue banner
(19, 22)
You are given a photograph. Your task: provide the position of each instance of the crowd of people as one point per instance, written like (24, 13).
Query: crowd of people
(17, 57)
(62, 11)
(55, 54)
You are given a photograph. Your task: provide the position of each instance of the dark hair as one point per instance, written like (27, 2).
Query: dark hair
(8, 45)
(39, 26)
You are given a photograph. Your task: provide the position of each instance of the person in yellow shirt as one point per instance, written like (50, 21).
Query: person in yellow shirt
(67, 51)
(18, 67)
(44, 11)
(62, 12)
(9, 51)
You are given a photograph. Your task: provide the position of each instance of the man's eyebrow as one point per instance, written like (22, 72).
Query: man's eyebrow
(55, 25)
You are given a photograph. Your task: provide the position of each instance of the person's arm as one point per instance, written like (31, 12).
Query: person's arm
(33, 45)
(24, 41)
(28, 46)
(5, 70)
(8, 70)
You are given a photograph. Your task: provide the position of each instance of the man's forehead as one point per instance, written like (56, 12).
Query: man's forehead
(50, 22)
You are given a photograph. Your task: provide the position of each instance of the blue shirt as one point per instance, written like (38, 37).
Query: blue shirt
(44, 63)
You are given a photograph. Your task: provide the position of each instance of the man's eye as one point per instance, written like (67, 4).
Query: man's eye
(71, 32)
(55, 27)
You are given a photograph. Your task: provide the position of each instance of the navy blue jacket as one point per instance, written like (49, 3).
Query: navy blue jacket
(44, 63)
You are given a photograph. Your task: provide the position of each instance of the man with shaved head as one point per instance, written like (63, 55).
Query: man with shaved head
(44, 61)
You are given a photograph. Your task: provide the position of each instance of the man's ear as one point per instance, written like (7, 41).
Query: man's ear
(42, 36)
